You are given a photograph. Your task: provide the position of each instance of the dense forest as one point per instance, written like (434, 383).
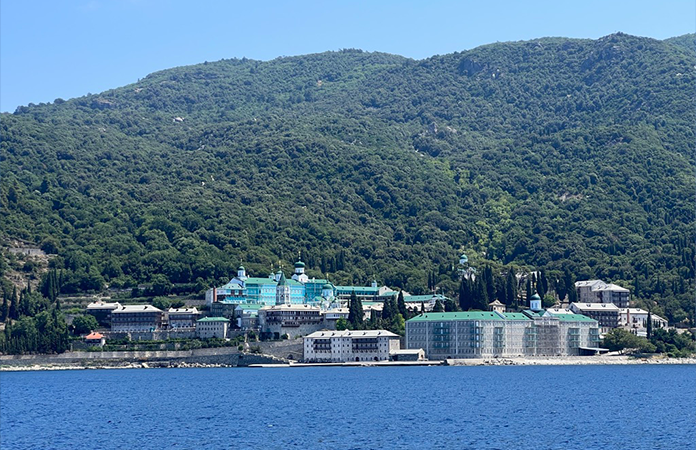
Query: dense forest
(571, 156)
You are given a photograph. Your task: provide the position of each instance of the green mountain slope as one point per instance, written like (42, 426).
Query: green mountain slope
(553, 153)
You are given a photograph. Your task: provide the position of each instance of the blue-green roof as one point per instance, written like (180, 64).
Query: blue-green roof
(469, 315)
(250, 306)
(424, 298)
(574, 318)
(515, 316)
(358, 289)
(258, 280)
(213, 319)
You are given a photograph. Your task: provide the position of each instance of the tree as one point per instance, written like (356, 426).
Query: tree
(398, 325)
(543, 284)
(438, 306)
(511, 289)
(4, 309)
(389, 309)
(649, 325)
(162, 303)
(465, 294)
(489, 283)
(161, 285)
(480, 297)
(450, 306)
(620, 339)
(569, 282)
(14, 306)
(342, 324)
(84, 324)
(401, 305)
(355, 311)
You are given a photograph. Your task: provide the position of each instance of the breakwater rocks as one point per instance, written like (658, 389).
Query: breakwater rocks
(569, 361)
(223, 357)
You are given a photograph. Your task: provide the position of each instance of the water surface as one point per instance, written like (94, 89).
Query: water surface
(518, 407)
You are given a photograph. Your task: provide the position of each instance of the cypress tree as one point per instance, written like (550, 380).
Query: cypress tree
(511, 289)
(355, 311)
(543, 285)
(465, 294)
(4, 309)
(489, 281)
(529, 289)
(438, 306)
(480, 297)
(649, 325)
(14, 307)
(401, 305)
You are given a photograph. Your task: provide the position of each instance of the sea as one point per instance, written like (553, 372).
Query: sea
(483, 407)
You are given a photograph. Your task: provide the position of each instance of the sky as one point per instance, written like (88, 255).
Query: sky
(64, 49)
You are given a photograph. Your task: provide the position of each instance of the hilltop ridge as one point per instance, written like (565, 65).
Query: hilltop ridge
(555, 153)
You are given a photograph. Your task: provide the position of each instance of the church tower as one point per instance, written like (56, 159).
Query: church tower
(241, 273)
(299, 274)
(282, 291)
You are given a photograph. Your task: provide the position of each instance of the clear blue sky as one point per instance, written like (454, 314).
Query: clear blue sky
(67, 48)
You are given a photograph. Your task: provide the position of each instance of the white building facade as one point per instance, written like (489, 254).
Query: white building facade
(348, 345)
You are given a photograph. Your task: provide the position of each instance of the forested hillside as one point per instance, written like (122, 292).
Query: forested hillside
(561, 154)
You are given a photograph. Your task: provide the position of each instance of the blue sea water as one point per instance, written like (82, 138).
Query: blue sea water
(520, 407)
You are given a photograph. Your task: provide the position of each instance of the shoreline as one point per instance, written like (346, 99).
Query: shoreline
(602, 360)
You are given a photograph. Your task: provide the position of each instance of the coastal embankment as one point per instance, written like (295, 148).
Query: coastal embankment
(209, 357)
(598, 360)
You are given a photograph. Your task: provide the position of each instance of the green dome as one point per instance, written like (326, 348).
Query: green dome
(327, 286)
(299, 264)
(241, 268)
(536, 297)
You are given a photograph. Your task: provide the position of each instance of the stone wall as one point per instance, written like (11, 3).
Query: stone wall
(282, 349)
(161, 335)
(207, 356)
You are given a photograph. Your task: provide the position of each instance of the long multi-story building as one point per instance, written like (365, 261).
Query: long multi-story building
(597, 291)
(480, 334)
(258, 290)
(606, 314)
(182, 318)
(347, 345)
(102, 311)
(135, 318)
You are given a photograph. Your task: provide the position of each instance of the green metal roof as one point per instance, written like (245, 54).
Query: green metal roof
(469, 315)
(299, 264)
(258, 280)
(515, 316)
(213, 319)
(358, 289)
(574, 318)
(250, 306)
(423, 298)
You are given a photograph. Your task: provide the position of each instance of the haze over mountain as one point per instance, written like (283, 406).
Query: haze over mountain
(553, 153)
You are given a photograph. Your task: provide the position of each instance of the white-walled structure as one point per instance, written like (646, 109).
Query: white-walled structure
(597, 291)
(212, 327)
(635, 320)
(348, 345)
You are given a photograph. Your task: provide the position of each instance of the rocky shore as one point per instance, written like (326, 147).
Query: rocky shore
(615, 359)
